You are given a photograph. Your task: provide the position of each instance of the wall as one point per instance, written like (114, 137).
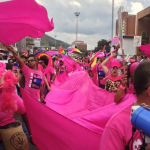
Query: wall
(128, 46)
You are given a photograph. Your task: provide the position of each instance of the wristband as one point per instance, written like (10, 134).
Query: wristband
(110, 57)
(122, 87)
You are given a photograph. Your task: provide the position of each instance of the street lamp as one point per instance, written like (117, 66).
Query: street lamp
(55, 41)
(77, 15)
(112, 19)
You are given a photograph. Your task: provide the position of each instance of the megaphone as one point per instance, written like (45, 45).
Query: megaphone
(140, 118)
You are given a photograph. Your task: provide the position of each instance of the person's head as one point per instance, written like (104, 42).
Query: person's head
(114, 68)
(43, 61)
(1, 55)
(9, 66)
(142, 82)
(11, 61)
(23, 58)
(61, 62)
(87, 60)
(32, 61)
(130, 71)
(78, 59)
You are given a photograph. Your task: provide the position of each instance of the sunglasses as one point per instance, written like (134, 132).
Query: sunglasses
(31, 60)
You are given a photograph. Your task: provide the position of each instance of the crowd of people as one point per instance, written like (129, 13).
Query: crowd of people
(110, 73)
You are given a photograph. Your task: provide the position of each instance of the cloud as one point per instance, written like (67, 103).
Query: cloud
(75, 3)
(136, 7)
(94, 21)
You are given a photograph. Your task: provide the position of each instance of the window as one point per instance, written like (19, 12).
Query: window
(144, 34)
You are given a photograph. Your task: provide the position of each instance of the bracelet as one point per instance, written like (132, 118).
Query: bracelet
(122, 87)
(110, 57)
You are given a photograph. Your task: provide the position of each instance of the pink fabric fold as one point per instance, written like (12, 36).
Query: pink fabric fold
(50, 130)
(24, 18)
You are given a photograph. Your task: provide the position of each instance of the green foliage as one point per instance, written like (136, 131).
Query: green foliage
(101, 44)
(48, 41)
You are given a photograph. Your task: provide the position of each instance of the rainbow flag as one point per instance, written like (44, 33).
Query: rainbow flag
(40, 54)
(61, 50)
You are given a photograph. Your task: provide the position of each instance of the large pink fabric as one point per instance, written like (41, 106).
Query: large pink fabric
(88, 105)
(71, 64)
(77, 94)
(21, 18)
(145, 49)
(50, 130)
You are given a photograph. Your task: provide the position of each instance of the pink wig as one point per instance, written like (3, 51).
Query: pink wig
(7, 100)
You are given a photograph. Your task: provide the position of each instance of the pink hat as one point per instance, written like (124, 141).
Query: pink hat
(115, 64)
(133, 67)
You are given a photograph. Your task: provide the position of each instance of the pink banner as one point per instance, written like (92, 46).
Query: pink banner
(51, 52)
(21, 18)
(50, 130)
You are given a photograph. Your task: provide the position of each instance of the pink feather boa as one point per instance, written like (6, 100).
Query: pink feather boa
(7, 100)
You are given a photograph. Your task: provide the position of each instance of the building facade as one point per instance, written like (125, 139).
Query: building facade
(135, 25)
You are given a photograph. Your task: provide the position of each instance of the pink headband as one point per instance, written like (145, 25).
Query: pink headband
(133, 67)
(41, 61)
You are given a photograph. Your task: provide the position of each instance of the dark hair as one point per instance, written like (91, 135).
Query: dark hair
(22, 56)
(142, 77)
(9, 66)
(45, 59)
(10, 60)
(32, 55)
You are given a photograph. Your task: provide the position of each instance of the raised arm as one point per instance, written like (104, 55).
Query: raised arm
(122, 90)
(17, 57)
(103, 64)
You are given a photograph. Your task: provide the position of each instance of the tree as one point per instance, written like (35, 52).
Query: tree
(101, 44)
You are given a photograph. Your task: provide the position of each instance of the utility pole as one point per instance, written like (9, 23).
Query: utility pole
(77, 15)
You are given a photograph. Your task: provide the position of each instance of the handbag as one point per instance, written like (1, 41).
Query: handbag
(13, 136)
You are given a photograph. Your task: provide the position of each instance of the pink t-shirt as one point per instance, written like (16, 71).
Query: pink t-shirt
(33, 81)
(118, 132)
(6, 118)
(49, 71)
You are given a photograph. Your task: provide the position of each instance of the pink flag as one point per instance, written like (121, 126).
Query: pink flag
(21, 18)
(113, 41)
(50, 130)
(145, 49)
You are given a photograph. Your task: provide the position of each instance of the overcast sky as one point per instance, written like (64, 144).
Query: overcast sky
(94, 20)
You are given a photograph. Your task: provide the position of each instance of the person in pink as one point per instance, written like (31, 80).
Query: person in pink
(56, 63)
(113, 74)
(86, 64)
(33, 77)
(10, 102)
(126, 83)
(98, 73)
(49, 72)
(119, 133)
(61, 68)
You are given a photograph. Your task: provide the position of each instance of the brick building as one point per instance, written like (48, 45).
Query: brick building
(135, 25)
(143, 27)
(128, 22)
